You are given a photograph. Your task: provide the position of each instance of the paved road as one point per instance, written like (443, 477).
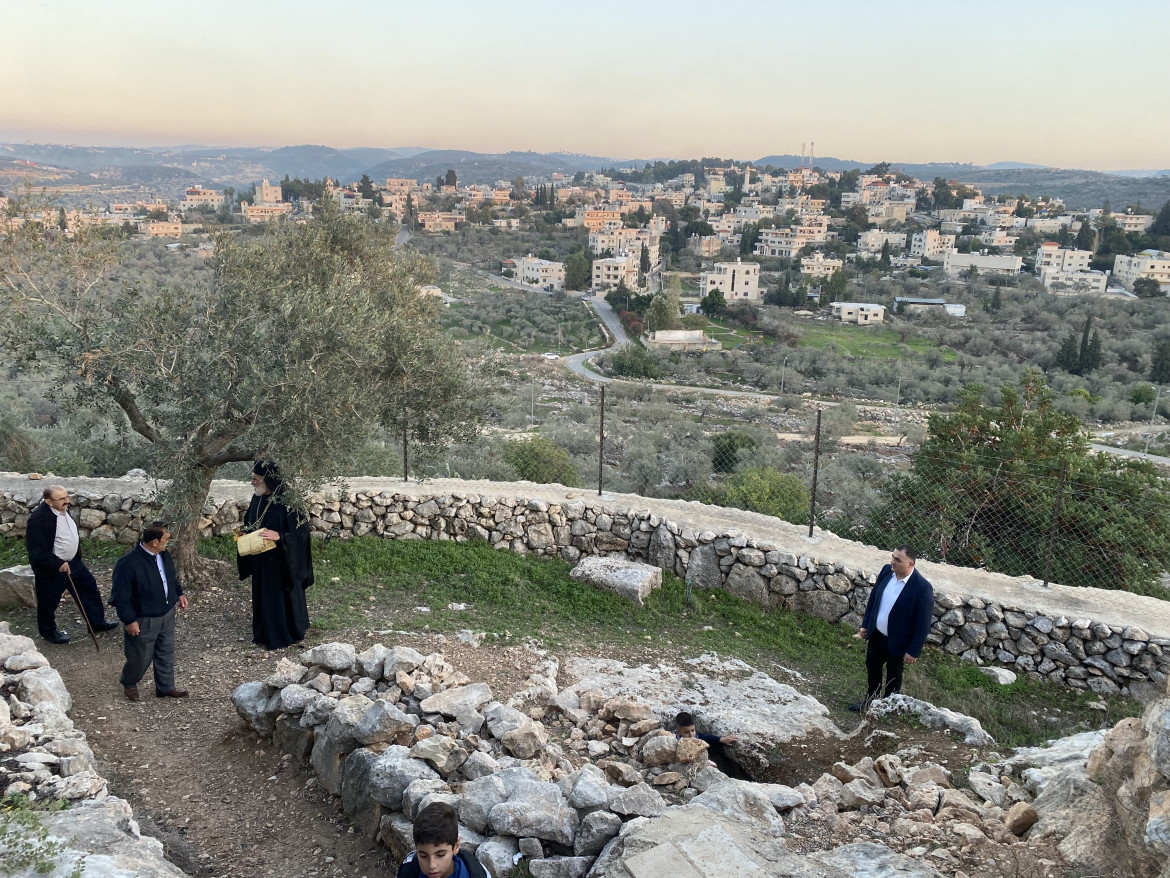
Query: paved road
(1125, 452)
(612, 322)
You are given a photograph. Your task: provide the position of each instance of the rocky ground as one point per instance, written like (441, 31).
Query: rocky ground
(227, 803)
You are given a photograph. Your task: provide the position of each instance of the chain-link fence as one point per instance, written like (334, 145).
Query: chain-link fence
(1077, 520)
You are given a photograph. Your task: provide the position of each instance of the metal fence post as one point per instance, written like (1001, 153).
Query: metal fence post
(1055, 521)
(812, 507)
(601, 445)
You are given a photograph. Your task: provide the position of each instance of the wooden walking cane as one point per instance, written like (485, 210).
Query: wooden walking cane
(81, 609)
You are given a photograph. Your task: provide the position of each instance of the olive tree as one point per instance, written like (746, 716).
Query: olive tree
(294, 346)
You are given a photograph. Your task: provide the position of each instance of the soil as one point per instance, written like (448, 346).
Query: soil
(227, 804)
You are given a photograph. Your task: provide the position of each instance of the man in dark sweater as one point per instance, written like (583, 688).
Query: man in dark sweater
(54, 551)
(146, 592)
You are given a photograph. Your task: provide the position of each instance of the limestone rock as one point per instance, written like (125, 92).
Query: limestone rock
(393, 772)
(497, 855)
(537, 810)
(525, 741)
(359, 805)
(104, 831)
(640, 800)
(383, 722)
(690, 750)
(694, 841)
(750, 702)
(560, 867)
(1001, 675)
(15, 644)
(861, 794)
(16, 587)
(590, 789)
(872, 860)
(630, 579)
(444, 754)
(401, 659)
(479, 765)
(257, 705)
(934, 717)
(742, 801)
(479, 797)
(595, 830)
(331, 656)
(287, 673)
(660, 750)
(336, 740)
(452, 702)
(1020, 818)
(43, 685)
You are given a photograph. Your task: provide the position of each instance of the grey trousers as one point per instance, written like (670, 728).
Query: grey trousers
(155, 642)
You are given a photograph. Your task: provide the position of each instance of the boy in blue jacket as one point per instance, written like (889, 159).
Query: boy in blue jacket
(436, 843)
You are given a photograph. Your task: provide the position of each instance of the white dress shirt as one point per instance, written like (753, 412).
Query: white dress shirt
(65, 540)
(161, 569)
(890, 597)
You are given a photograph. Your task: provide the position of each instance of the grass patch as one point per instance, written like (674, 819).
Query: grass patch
(868, 341)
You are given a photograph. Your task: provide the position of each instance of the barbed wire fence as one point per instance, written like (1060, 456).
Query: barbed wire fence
(1055, 519)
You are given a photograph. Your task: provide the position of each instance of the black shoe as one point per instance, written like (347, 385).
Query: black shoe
(57, 636)
(104, 626)
(857, 706)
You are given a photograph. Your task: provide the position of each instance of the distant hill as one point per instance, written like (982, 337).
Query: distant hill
(167, 171)
(1077, 189)
(1012, 166)
(477, 167)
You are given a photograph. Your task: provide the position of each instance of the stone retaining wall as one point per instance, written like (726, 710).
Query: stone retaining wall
(1079, 652)
(45, 758)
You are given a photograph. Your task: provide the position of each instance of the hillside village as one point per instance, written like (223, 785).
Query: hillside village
(732, 220)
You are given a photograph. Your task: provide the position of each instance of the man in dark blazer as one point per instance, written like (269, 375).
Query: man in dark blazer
(146, 592)
(54, 551)
(897, 620)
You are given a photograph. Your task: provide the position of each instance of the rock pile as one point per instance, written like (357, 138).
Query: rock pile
(1111, 810)
(42, 755)
(1078, 652)
(581, 781)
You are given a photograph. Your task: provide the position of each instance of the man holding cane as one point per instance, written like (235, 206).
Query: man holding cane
(54, 551)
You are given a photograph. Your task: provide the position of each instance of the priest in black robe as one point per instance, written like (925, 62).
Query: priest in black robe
(280, 615)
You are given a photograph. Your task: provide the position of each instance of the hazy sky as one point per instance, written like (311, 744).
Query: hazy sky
(1067, 83)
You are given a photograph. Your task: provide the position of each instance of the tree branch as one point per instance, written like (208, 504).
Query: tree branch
(126, 401)
(230, 454)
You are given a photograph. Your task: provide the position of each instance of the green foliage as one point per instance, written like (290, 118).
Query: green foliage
(714, 304)
(1142, 394)
(998, 486)
(1160, 364)
(577, 272)
(518, 321)
(725, 448)
(633, 361)
(1146, 288)
(663, 313)
(760, 489)
(1083, 358)
(541, 460)
(25, 842)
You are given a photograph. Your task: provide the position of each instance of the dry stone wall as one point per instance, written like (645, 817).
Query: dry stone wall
(1082, 653)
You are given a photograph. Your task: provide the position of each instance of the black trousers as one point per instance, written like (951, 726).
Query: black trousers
(51, 587)
(877, 660)
(155, 642)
